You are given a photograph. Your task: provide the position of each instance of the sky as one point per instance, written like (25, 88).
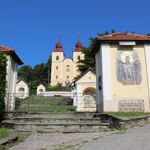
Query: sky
(32, 27)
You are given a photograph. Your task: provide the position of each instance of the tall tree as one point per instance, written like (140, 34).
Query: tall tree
(39, 74)
(89, 60)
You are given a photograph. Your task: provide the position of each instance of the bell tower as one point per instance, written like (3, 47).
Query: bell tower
(77, 55)
(56, 66)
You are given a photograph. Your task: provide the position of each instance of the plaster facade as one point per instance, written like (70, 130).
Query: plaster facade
(123, 76)
(11, 76)
(22, 89)
(41, 89)
(85, 102)
(64, 70)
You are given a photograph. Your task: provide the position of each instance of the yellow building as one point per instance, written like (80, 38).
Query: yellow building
(64, 70)
(123, 72)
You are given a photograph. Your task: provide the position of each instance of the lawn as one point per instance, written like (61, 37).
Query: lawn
(53, 105)
(128, 114)
(4, 133)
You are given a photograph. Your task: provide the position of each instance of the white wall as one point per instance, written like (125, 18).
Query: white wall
(103, 69)
(11, 79)
(147, 55)
(19, 94)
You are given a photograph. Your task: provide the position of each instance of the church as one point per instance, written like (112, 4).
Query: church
(64, 70)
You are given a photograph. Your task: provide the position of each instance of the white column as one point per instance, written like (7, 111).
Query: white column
(8, 79)
(147, 55)
(106, 72)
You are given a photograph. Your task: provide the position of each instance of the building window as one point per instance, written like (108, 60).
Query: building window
(56, 77)
(78, 57)
(67, 77)
(67, 68)
(56, 67)
(57, 57)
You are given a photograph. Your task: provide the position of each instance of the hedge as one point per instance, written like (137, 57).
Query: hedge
(2, 84)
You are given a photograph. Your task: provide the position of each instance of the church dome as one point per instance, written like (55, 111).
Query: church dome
(58, 44)
(78, 44)
(78, 47)
(58, 47)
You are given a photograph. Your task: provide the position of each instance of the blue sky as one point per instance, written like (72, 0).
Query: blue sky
(32, 27)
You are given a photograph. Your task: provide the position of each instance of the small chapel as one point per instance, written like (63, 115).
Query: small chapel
(64, 70)
(122, 72)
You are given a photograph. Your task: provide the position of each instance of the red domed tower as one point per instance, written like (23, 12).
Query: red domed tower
(58, 47)
(78, 47)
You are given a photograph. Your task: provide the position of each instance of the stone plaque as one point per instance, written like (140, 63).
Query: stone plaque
(131, 105)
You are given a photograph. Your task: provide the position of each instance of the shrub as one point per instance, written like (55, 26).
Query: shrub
(58, 87)
(2, 84)
(89, 90)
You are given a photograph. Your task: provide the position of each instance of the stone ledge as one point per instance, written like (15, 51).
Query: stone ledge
(8, 139)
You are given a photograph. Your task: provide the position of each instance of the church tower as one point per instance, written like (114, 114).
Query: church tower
(57, 59)
(77, 55)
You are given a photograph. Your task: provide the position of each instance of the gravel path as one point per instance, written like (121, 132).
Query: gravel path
(133, 139)
(51, 141)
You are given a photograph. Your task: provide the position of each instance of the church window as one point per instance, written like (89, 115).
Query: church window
(67, 77)
(78, 57)
(56, 67)
(57, 57)
(67, 68)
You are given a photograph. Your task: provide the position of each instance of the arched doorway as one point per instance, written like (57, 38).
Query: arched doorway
(21, 92)
(89, 97)
(40, 91)
(89, 91)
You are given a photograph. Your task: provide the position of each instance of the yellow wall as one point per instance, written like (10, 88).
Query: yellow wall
(129, 91)
(61, 72)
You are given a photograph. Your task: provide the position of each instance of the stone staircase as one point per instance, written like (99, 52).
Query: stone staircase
(46, 122)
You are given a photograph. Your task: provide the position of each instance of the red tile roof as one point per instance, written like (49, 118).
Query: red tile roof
(124, 37)
(119, 36)
(11, 52)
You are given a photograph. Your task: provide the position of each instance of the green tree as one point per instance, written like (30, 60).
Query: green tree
(39, 74)
(89, 60)
(2, 84)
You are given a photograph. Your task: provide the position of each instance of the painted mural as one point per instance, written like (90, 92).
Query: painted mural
(128, 67)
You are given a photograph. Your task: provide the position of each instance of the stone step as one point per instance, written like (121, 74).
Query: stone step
(52, 121)
(56, 120)
(61, 128)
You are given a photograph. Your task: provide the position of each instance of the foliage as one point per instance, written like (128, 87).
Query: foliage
(89, 60)
(4, 133)
(39, 74)
(128, 114)
(90, 90)
(2, 84)
(59, 87)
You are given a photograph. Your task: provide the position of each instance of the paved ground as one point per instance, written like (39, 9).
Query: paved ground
(52, 141)
(132, 139)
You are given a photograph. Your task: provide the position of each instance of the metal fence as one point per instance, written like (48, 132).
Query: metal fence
(46, 103)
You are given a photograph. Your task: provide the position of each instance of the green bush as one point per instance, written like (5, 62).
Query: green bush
(59, 87)
(2, 84)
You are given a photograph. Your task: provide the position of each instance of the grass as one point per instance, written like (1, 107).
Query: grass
(52, 101)
(50, 108)
(21, 138)
(4, 133)
(128, 114)
(53, 105)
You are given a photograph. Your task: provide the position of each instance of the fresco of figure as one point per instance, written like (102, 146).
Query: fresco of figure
(128, 68)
